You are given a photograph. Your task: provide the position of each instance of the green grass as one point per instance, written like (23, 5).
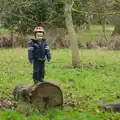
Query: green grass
(59, 115)
(95, 33)
(2, 30)
(97, 81)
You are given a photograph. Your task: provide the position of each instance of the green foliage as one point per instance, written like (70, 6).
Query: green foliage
(80, 18)
(27, 14)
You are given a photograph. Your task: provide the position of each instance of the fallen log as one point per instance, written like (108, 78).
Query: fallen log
(114, 107)
(44, 94)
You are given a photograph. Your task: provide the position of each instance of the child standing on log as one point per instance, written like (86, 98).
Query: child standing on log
(38, 51)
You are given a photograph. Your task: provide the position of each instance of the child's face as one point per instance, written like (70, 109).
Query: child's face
(39, 35)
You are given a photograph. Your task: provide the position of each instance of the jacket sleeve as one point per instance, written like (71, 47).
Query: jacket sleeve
(47, 52)
(30, 51)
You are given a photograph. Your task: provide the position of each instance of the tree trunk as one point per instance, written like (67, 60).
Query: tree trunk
(12, 37)
(104, 26)
(116, 29)
(117, 26)
(71, 33)
(42, 95)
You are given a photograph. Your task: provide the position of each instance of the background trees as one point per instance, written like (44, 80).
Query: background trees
(22, 16)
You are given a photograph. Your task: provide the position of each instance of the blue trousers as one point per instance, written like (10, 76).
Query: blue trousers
(38, 71)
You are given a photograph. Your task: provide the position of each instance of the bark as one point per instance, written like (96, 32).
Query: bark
(71, 33)
(42, 95)
(117, 28)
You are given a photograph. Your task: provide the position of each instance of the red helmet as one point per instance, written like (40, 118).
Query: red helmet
(38, 29)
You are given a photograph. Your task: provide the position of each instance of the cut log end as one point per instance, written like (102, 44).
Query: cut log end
(44, 94)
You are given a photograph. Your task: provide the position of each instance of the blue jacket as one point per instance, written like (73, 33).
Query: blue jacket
(38, 49)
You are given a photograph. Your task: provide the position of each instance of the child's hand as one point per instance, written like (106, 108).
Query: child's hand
(48, 60)
(31, 62)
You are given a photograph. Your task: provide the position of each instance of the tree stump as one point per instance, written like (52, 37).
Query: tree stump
(43, 95)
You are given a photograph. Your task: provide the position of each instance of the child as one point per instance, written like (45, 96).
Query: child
(38, 51)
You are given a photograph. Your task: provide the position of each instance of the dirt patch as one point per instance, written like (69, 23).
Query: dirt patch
(7, 104)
